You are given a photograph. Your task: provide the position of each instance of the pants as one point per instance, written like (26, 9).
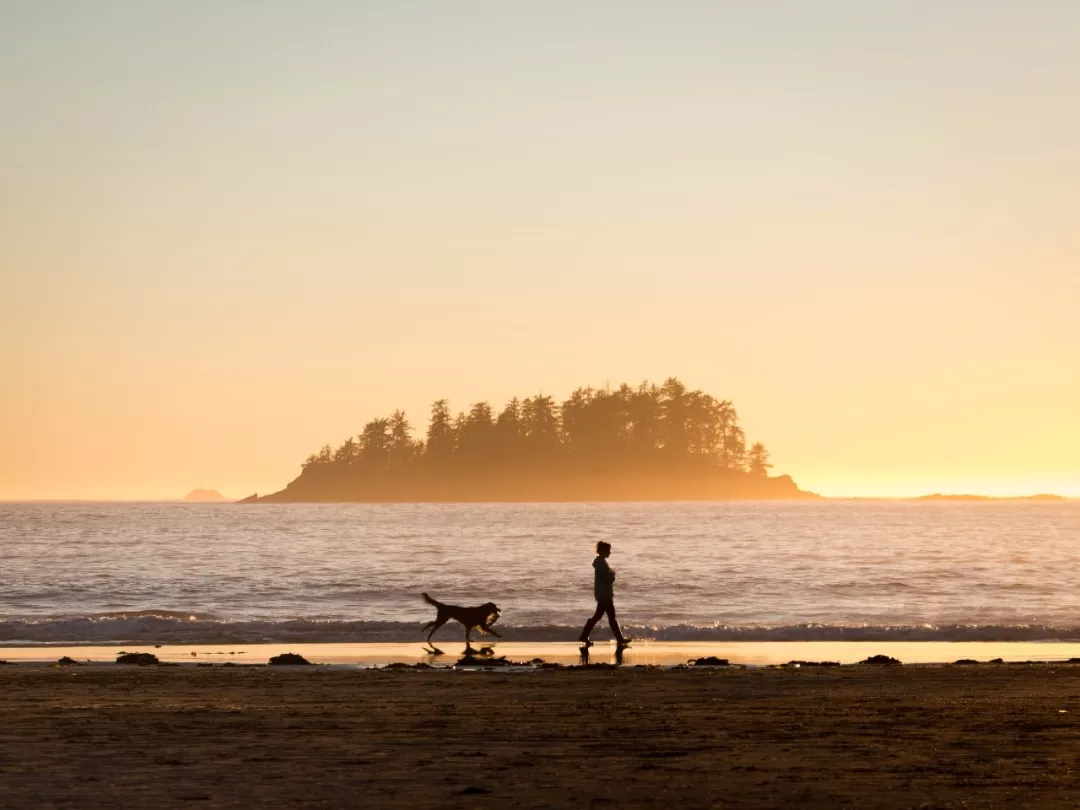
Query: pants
(602, 606)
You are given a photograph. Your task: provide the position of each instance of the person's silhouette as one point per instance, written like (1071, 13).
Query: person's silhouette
(604, 590)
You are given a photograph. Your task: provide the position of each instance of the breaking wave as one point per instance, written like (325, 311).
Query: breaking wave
(173, 627)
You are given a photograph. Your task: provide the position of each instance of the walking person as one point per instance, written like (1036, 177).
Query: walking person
(604, 590)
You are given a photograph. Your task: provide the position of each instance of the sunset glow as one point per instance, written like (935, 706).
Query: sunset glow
(236, 233)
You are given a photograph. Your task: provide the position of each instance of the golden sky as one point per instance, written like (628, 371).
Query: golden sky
(232, 233)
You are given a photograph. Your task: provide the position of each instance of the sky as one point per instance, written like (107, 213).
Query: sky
(232, 233)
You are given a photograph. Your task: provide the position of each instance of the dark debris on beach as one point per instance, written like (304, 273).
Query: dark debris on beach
(142, 659)
(400, 665)
(809, 664)
(709, 661)
(289, 660)
(882, 661)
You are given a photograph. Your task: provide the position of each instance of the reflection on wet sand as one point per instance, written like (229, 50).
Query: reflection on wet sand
(643, 652)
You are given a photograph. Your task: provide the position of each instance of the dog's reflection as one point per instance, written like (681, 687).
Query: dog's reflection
(483, 652)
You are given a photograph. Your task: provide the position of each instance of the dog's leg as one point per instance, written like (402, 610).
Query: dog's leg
(435, 625)
(434, 650)
(491, 630)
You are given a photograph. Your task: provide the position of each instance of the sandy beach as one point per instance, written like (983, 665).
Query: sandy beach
(910, 736)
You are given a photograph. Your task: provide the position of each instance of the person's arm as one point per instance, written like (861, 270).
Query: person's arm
(607, 575)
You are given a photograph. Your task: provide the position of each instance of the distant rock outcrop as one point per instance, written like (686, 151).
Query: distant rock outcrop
(205, 496)
(937, 496)
(250, 499)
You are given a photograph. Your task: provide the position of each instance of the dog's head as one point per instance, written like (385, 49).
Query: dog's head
(491, 610)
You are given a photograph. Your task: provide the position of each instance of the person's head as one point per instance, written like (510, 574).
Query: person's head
(603, 549)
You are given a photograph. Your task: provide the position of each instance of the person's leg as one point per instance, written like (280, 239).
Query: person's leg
(612, 621)
(600, 607)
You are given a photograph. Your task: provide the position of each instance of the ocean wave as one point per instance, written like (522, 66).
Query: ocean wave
(175, 627)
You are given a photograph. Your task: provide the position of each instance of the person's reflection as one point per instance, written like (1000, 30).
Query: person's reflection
(584, 651)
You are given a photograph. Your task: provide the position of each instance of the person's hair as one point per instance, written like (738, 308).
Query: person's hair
(602, 546)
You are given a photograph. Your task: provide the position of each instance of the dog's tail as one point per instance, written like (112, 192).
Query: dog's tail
(431, 601)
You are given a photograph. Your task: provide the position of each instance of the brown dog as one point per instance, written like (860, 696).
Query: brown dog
(481, 617)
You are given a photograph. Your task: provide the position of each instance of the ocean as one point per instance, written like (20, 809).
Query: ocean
(176, 573)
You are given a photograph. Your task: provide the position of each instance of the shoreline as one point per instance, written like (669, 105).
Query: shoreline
(642, 653)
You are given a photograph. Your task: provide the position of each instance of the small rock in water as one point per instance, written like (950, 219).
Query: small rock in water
(68, 661)
(473, 791)
(997, 661)
(882, 660)
(288, 660)
(403, 665)
(138, 659)
(967, 661)
(708, 661)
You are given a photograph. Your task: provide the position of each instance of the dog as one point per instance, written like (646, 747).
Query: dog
(478, 618)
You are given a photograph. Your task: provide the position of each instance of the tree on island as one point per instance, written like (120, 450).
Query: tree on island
(757, 460)
(645, 441)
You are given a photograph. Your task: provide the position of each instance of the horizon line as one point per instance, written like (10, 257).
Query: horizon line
(927, 496)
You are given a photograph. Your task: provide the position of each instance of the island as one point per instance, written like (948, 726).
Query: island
(643, 442)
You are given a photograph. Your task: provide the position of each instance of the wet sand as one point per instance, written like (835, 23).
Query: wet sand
(952, 736)
(643, 651)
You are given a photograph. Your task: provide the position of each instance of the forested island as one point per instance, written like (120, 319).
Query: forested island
(644, 442)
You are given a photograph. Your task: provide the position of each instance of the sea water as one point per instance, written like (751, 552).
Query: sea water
(701, 572)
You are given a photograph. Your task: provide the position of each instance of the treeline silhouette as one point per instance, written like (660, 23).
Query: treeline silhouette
(647, 442)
